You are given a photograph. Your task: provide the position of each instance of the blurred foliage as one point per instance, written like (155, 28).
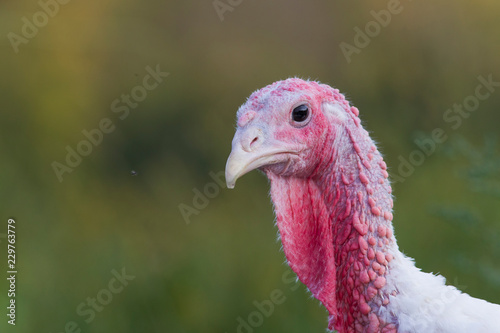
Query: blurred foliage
(479, 169)
(202, 276)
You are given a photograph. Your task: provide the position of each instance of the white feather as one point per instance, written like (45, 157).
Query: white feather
(423, 303)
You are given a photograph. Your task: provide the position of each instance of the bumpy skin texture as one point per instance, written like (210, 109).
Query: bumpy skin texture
(333, 204)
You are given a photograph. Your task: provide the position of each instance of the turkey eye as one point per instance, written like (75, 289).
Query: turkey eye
(300, 113)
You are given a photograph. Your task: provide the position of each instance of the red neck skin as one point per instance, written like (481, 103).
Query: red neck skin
(336, 231)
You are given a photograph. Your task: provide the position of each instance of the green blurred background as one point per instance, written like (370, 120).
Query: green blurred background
(120, 207)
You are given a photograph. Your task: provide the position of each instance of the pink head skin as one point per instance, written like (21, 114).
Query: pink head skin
(331, 195)
(268, 137)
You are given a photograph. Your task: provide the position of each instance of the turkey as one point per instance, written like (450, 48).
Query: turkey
(333, 204)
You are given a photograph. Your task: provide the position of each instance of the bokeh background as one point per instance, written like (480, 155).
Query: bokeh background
(120, 207)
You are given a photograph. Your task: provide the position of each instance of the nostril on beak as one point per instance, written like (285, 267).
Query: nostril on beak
(253, 139)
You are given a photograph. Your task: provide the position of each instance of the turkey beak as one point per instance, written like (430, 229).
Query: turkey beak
(251, 149)
(245, 155)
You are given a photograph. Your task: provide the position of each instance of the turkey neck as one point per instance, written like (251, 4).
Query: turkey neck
(359, 194)
(337, 233)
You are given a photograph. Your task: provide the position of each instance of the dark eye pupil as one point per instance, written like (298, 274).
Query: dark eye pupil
(300, 113)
